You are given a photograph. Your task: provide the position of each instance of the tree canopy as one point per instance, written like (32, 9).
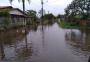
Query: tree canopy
(48, 16)
(31, 13)
(78, 7)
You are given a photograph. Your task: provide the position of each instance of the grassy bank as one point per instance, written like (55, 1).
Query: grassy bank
(68, 25)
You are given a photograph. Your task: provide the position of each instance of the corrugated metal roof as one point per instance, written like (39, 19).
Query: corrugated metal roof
(10, 8)
(4, 7)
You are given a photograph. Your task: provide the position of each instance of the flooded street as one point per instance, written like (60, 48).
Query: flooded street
(52, 44)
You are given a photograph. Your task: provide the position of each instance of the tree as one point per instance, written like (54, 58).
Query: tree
(40, 12)
(23, 3)
(60, 16)
(48, 16)
(32, 13)
(78, 7)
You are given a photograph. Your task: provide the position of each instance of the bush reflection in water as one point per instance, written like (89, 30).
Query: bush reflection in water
(13, 45)
(79, 41)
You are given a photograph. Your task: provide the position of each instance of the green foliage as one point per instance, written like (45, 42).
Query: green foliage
(32, 13)
(4, 13)
(68, 25)
(59, 16)
(6, 22)
(34, 20)
(5, 19)
(78, 7)
(48, 16)
(48, 19)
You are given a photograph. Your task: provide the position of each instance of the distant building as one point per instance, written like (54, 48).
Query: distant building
(17, 16)
(61, 17)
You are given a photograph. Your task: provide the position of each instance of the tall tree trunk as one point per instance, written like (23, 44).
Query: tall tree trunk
(23, 3)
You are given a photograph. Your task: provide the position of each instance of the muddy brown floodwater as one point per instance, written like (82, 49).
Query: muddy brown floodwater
(52, 44)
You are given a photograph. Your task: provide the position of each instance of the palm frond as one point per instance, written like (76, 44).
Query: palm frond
(19, 1)
(11, 1)
(29, 1)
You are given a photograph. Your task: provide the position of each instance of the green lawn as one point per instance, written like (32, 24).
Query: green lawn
(68, 25)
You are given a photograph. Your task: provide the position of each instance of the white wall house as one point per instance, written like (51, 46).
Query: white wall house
(17, 17)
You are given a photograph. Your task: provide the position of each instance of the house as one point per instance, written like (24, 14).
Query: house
(17, 16)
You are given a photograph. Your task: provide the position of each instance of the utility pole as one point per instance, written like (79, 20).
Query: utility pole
(42, 12)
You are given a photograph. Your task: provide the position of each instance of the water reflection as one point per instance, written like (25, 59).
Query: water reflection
(79, 40)
(2, 55)
(42, 45)
(13, 45)
(34, 27)
(89, 59)
(43, 35)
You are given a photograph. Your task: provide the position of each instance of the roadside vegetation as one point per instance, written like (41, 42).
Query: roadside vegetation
(4, 15)
(48, 19)
(77, 15)
(68, 25)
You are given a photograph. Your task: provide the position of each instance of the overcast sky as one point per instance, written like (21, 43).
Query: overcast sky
(53, 6)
